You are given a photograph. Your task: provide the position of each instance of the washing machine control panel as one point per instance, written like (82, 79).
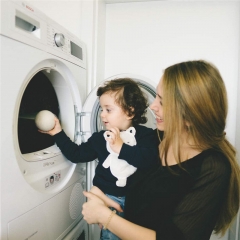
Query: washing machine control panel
(59, 39)
(62, 43)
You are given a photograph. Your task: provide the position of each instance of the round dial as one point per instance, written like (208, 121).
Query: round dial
(59, 39)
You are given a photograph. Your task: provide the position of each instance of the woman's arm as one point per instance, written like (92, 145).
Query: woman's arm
(197, 213)
(95, 211)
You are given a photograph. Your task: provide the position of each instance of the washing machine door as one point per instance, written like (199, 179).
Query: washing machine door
(90, 120)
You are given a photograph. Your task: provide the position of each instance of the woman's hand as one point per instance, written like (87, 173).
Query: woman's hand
(107, 201)
(94, 210)
(114, 139)
(57, 128)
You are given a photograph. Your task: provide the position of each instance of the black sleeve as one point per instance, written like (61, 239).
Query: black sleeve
(169, 231)
(196, 214)
(73, 152)
(145, 154)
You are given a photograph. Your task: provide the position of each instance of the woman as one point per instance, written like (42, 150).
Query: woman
(195, 189)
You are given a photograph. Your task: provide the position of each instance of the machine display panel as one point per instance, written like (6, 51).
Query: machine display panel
(76, 50)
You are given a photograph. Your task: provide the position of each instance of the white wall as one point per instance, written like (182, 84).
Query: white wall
(145, 37)
(93, 34)
(234, 233)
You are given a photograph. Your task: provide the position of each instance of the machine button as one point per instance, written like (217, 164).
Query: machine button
(59, 39)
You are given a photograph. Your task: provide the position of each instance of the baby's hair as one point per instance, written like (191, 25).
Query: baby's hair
(128, 96)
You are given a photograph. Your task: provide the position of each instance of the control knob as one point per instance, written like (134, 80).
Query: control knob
(59, 39)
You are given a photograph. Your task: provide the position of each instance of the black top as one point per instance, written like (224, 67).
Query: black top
(182, 203)
(143, 156)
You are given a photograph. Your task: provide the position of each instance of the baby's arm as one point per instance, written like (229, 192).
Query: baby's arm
(72, 151)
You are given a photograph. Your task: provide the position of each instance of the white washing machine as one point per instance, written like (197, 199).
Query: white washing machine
(43, 67)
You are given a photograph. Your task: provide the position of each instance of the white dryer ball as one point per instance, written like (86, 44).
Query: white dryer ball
(44, 120)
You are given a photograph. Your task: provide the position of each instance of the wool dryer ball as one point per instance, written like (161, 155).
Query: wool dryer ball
(44, 120)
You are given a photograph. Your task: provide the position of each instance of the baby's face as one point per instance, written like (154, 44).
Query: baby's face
(112, 114)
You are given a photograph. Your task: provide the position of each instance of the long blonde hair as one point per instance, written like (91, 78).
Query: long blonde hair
(194, 93)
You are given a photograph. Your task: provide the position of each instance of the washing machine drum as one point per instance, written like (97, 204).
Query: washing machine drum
(39, 95)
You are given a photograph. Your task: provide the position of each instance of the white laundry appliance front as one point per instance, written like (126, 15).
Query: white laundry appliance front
(43, 67)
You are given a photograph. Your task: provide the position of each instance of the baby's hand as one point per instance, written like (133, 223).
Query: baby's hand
(114, 139)
(57, 128)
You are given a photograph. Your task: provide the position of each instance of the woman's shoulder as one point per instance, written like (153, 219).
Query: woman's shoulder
(209, 162)
(216, 161)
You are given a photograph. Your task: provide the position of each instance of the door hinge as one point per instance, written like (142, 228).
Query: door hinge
(79, 124)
